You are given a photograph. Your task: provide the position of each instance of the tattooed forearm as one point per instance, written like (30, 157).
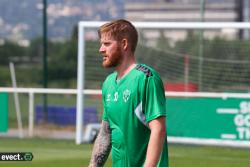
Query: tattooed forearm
(102, 146)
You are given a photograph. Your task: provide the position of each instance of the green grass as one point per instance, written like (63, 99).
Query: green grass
(201, 156)
(61, 153)
(48, 153)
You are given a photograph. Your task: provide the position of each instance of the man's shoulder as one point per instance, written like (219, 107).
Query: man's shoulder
(146, 70)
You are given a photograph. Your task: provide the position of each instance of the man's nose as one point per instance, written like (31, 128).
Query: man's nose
(101, 49)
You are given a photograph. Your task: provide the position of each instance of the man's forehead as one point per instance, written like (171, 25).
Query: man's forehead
(107, 37)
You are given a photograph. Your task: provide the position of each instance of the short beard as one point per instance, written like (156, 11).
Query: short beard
(114, 61)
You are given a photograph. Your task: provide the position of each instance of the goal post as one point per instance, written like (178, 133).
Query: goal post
(84, 26)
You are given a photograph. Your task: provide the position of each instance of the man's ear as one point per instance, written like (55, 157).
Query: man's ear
(124, 43)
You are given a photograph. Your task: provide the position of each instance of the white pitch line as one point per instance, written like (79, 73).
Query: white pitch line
(209, 157)
(227, 111)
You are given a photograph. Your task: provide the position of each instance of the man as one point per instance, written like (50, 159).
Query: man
(133, 122)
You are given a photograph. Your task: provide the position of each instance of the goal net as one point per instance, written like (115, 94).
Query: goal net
(190, 57)
(213, 57)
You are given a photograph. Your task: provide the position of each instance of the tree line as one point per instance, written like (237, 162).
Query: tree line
(218, 54)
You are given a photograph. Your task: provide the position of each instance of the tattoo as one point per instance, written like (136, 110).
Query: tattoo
(102, 146)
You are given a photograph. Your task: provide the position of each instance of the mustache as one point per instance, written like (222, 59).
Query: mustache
(104, 55)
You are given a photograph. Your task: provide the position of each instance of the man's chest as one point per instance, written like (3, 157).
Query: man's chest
(120, 100)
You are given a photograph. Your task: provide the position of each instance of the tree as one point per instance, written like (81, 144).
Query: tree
(11, 52)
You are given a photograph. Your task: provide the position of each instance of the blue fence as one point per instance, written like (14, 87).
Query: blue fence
(64, 115)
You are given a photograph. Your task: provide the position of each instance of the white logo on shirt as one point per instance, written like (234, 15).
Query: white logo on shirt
(126, 95)
(108, 97)
(116, 96)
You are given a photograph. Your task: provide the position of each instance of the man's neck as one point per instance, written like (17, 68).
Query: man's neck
(125, 68)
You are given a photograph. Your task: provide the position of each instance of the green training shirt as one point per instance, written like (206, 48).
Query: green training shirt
(129, 105)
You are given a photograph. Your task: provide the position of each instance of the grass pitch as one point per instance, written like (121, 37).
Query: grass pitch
(48, 153)
(61, 153)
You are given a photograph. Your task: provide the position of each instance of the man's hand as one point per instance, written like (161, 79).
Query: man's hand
(102, 146)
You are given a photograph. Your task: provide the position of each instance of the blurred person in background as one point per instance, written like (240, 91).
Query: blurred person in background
(134, 118)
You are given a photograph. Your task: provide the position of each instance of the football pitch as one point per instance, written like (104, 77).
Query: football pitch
(63, 153)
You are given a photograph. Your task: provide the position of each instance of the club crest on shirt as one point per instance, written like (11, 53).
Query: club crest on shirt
(126, 95)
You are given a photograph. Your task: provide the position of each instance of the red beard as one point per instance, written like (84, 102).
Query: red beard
(113, 59)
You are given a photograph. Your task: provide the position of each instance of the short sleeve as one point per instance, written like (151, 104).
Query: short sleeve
(104, 115)
(154, 98)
